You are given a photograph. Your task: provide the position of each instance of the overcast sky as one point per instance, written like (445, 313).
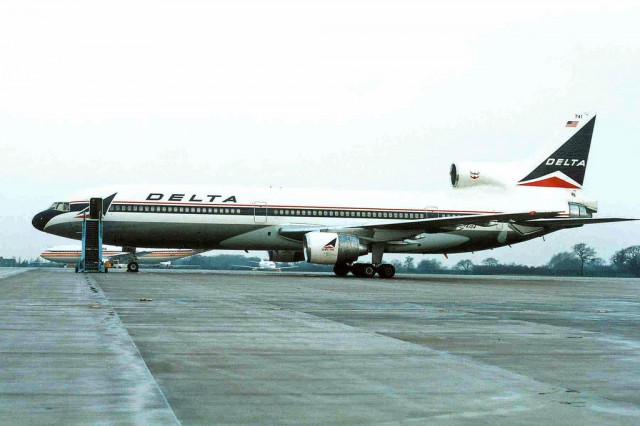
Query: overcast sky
(354, 94)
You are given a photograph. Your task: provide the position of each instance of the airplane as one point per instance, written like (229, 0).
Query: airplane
(265, 265)
(489, 206)
(70, 254)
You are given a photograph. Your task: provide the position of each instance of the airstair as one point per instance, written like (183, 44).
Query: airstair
(91, 257)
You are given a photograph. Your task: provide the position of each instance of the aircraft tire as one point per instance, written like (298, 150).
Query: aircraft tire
(363, 270)
(368, 270)
(356, 270)
(341, 269)
(133, 267)
(386, 270)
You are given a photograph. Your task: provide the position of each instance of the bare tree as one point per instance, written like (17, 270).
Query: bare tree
(409, 264)
(491, 262)
(465, 265)
(585, 254)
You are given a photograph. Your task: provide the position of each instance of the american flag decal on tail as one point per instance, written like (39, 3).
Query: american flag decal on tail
(565, 168)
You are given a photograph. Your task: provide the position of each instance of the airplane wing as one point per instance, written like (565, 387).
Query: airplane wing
(570, 222)
(394, 230)
(121, 258)
(142, 256)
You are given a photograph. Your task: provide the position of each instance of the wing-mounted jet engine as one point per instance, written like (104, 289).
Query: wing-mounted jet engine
(329, 248)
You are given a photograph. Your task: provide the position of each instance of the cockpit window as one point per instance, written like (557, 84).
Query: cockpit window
(60, 206)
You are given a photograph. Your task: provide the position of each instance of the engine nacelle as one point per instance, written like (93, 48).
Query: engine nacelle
(285, 256)
(465, 175)
(330, 248)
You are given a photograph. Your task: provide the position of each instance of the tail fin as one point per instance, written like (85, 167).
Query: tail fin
(565, 168)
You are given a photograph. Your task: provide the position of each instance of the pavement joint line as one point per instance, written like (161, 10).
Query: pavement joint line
(419, 346)
(461, 357)
(93, 284)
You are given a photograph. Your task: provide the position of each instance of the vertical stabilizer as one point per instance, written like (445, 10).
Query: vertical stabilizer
(565, 168)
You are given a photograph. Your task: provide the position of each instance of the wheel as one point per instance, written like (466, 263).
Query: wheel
(76, 269)
(386, 270)
(341, 269)
(106, 270)
(368, 271)
(133, 267)
(357, 270)
(363, 270)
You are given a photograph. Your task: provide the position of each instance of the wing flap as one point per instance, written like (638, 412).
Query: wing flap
(441, 224)
(574, 221)
(396, 230)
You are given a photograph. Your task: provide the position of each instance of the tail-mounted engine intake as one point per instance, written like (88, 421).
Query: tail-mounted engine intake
(330, 248)
(465, 175)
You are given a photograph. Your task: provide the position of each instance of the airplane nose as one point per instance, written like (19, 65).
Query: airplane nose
(41, 219)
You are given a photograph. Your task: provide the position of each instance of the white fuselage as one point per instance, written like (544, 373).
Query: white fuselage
(251, 219)
(72, 255)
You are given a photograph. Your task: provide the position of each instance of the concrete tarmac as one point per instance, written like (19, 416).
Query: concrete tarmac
(164, 347)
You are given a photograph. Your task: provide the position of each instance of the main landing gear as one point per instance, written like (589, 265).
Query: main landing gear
(132, 264)
(368, 270)
(133, 267)
(365, 270)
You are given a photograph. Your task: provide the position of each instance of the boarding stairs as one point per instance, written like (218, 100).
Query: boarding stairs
(91, 257)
